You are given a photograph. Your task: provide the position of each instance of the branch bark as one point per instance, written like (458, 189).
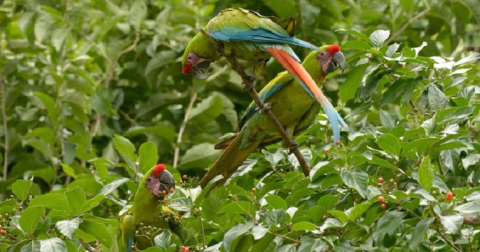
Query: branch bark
(182, 129)
(249, 84)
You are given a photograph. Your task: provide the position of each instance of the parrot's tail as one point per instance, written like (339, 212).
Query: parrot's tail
(302, 76)
(229, 161)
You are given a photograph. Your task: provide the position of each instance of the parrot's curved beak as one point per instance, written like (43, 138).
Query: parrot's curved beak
(166, 181)
(199, 70)
(338, 61)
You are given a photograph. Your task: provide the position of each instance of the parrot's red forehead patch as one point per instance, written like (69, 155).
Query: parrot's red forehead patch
(333, 49)
(186, 69)
(158, 169)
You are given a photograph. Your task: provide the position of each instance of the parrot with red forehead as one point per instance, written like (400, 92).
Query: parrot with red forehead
(252, 37)
(292, 105)
(149, 214)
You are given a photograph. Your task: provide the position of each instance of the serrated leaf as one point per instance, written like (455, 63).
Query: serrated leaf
(29, 219)
(425, 174)
(21, 188)
(378, 37)
(68, 227)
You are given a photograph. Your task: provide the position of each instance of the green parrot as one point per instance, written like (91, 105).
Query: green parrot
(293, 107)
(149, 215)
(255, 38)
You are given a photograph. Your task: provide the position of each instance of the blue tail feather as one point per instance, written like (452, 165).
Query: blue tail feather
(335, 120)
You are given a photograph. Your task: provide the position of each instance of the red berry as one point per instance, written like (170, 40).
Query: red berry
(254, 190)
(383, 206)
(380, 199)
(184, 176)
(2, 232)
(325, 151)
(164, 192)
(449, 196)
(1, 216)
(380, 180)
(1, 227)
(185, 249)
(337, 142)
(171, 190)
(176, 182)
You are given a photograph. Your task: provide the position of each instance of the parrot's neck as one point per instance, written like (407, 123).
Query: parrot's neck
(144, 199)
(313, 68)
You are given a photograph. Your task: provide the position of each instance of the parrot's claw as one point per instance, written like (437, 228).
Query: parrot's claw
(266, 107)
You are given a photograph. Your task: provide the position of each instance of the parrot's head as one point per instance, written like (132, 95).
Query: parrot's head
(160, 181)
(195, 65)
(330, 58)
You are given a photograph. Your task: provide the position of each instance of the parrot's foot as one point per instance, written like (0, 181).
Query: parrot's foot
(266, 107)
(293, 145)
(250, 83)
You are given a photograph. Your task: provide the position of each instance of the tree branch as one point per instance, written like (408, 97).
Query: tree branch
(249, 84)
(6, 146)
(471, 220)
(405, 26)
(182, 129)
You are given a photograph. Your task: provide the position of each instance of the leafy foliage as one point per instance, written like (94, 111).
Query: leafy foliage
(93, 96)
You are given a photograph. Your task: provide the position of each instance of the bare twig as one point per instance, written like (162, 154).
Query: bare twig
(471, 220)
(5, 129)
(111, 69)
(87, 246)
(182, 129)
(405, 26)
(284, 237)
(250, 86)
(201, 224)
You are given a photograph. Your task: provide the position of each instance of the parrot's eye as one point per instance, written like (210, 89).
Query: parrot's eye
(322, 53)
(149, 179)
(189, 57)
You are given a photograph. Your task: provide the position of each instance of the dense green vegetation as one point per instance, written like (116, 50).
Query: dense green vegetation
(92, 96)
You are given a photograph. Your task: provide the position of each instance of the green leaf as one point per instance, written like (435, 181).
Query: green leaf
(52, 245)
(419, 232)
(164, 240)
(235, 232)
(357, 180)
(340, 215)
(58, 38)
(387, 224)
(98, 230)
(53, 200)
(470, 159)
(350, 85)
(355, 33)
(283, 8)
(389, 143)
(68, 227)
(470, 208)
(425, 174)
(240, 207)
(93, 202)
(378, 37)
(148, 156)
(49, 105)
(275, 202)
(113, 186)
(359, 209)
(29, 219)
(201, 155)
(76, 200)
(452, 223)
(312, 244)
(32, 246)
(126, 150)
(42, 27)
(21, 188)
(303, 225)
(207, 110)
(276, 217)
(138, 13)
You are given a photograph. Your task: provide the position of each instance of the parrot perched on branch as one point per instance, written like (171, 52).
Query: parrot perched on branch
(149, 215)
(292, 106)
(252, 37)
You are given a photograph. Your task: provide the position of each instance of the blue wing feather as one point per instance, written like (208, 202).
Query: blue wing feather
(232, 34)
